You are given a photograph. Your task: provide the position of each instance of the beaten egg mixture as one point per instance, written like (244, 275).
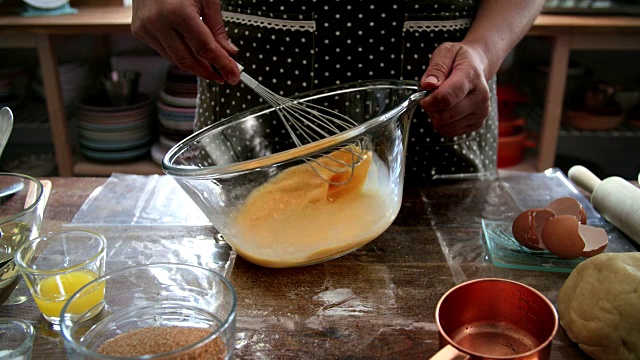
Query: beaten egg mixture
(298, 217)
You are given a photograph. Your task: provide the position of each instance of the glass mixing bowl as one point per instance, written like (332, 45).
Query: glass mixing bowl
(21, 211)
(283, 205)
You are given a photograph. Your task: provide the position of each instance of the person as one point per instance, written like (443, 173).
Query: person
(454, 47)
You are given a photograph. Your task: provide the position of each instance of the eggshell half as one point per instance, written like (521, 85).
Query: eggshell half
(568, 206)
(561, 236)
(595, 240)
(527, 227)
(566, 238)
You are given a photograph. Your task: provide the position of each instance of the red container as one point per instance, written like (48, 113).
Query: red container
(512, 142)
(511, 149)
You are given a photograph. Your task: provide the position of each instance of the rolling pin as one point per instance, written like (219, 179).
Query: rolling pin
(616, 199)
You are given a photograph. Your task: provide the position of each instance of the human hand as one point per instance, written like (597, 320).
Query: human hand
(460, 102)
(174, 28)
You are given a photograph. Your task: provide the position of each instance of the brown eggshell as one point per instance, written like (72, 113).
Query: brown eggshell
(527, 227)
(595, 240)
(560, 235)
(521, 227)
(568, 206)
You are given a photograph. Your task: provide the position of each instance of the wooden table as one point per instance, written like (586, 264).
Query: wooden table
(375, 303)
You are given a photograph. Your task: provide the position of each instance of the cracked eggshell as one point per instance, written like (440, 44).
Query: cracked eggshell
(568, 206)
(566, 238)
(527, 227)
(595, 240)
(561, 236)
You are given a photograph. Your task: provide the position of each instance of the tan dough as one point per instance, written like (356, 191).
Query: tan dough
(599, 306)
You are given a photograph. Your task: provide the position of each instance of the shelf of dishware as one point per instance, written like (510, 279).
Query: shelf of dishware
(30, 114)
(130, 133)
(625, 129)
(84, 167)
(31, 123)
(610, 152)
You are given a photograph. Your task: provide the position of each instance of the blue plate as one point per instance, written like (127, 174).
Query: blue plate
(116, 155)
(114, 146)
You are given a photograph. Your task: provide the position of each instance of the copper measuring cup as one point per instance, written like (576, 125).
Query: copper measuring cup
(495, 319)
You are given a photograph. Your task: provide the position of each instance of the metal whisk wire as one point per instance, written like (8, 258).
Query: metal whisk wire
(312, 122)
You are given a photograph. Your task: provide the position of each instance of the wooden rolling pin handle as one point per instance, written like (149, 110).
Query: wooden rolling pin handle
(616, 199)
(584, 178)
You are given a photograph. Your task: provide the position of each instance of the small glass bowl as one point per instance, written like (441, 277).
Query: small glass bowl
(57, 264)
(193, 306)
(16, 339)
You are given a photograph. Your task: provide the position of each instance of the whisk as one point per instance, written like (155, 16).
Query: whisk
(312, 122)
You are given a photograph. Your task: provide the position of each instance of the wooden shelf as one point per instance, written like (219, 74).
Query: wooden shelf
(93, 19)
(622, 132)
(548, 24)
(141, 167)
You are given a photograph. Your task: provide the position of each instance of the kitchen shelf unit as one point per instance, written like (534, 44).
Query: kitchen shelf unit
(40, 33)
(28, 117)
(605, 152)
(84, 167)
(567, 33)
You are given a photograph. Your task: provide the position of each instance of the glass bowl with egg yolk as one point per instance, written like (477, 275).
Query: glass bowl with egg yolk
(282, 204)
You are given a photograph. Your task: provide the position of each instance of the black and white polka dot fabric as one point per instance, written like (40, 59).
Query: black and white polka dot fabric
(294, 46)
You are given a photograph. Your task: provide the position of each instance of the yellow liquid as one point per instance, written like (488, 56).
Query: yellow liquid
(54, 291)
(298, 217)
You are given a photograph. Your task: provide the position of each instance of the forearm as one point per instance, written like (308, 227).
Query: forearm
(498, 26)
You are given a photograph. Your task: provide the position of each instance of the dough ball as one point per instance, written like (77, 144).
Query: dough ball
(599, 306)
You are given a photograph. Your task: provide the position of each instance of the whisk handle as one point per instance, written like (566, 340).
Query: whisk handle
(420, 95)
(246, 79)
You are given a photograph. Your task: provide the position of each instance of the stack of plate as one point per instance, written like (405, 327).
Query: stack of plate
(176, 110)
(115, 133)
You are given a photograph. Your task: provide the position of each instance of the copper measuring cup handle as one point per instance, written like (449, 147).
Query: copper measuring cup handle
(450, 353)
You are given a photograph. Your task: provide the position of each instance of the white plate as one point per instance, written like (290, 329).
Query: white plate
(158, 151)
(116, 155)
(46, 4)
(164, 141)
(177, 101)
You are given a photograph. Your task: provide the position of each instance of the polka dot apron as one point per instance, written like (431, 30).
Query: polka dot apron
(294, 46)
